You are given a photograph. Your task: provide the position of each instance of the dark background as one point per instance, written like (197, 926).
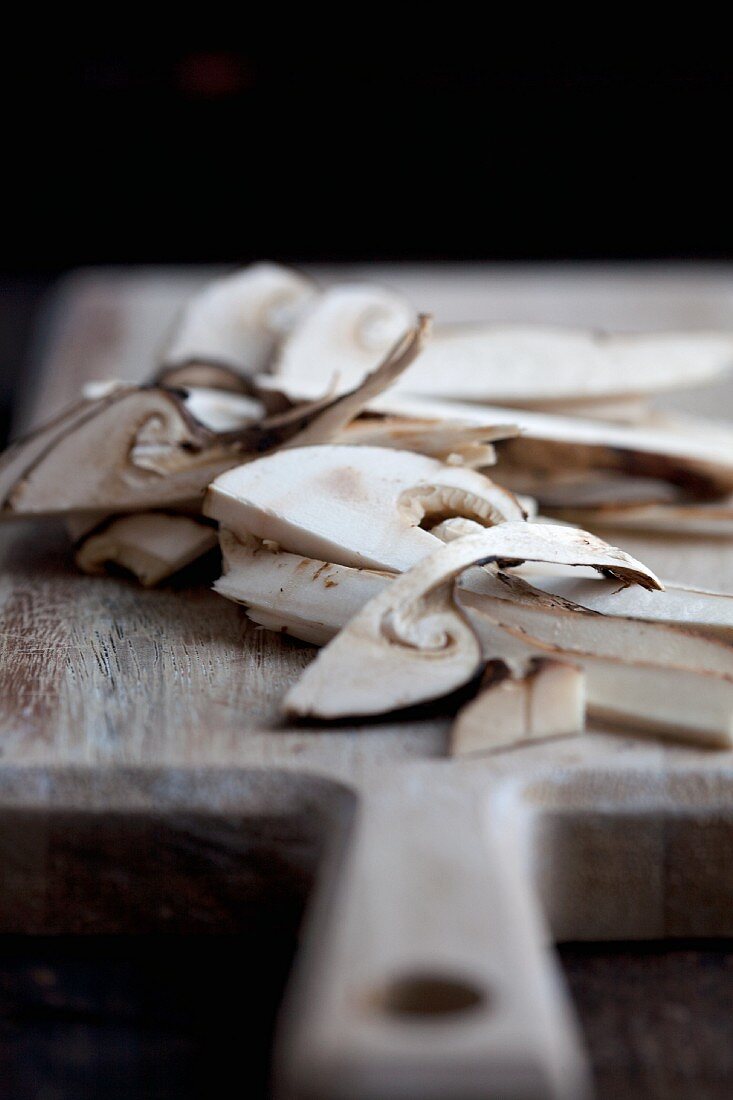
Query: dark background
(463, 140)
(473, 138)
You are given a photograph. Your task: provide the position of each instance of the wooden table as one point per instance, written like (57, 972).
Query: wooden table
(142, 750)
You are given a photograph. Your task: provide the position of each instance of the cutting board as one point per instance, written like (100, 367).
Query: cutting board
(133, 718)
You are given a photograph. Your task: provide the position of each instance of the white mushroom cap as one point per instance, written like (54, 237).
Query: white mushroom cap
(342, 336)
(238, 320)
(358, 506)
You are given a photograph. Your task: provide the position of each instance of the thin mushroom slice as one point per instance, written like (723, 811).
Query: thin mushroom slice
(236, 322)
(456, 444)
(501, 364)
(551, 443)
(690, 705)
(112, 457)
(694, 609)
(140, 447)
(707, 519)
(222, 410)
(512, 602)
(511, 364)
(547, 701)
(358, 506)
(415, 642)
(337, 413)
(584, 489)
(150, 545)
(290, 594)
(340, 338)
(209, 376)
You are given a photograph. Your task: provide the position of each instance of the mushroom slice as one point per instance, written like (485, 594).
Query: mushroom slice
(554, 621)
(237, 321)
(152, 545)
(288, 593)
(699, 610)
(340, 338)
(336, 414)
(548, 701)
(110, 457)
(708, 519)
(209, 376)
(691, 705)
(456, 444)
(415, 642)
(511, 364)
(358, 506)
(581, 489)
(138, 448)
(222, 410)
(551, 443)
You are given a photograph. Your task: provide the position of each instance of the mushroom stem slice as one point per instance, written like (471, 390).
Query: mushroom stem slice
(151, 545)
(548, 701)
(415, 642)
(235, 322)
(311, 600)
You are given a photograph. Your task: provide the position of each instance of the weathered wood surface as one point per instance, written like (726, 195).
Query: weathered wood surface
(115, 698)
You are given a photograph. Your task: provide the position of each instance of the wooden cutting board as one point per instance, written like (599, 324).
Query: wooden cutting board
(425, 968)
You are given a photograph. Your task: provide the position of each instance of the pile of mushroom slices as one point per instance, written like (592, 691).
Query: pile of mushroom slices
(339, 458)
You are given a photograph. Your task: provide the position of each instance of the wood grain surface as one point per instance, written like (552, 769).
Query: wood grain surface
(118, 700)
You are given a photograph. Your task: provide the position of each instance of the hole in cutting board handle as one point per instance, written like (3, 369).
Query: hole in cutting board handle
(419, 994)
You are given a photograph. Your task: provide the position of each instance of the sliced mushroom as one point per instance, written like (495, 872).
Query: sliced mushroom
(209, 376)
(511, 364)
(151, 545)
(708, 519)
(237, 321)
(415, 642)
(554, 621)
(456, 444)
(548, 701)
(691, 705)
(140, 447)
(698, 610)
(580, 489)
(290, 594)
(340, 338)
(221, 410)
(501, 364)
(337, 413)
(551, 443)
(358, 506)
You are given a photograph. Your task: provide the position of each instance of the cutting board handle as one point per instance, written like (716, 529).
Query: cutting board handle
(425, 971)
